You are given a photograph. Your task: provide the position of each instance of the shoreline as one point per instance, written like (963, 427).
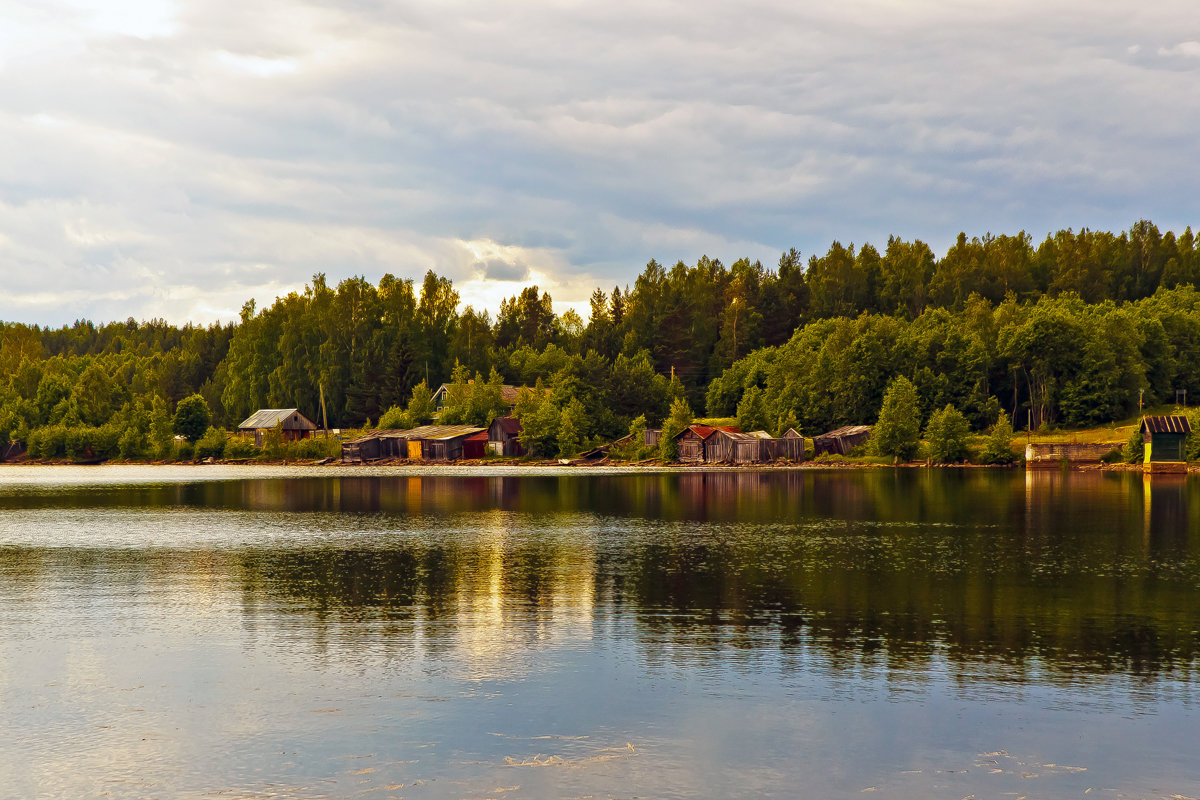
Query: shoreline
(618, 466)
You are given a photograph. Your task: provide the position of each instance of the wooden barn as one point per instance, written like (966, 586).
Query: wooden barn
(842, 440)
(502, 437)
(1166, 443)
(290, 421)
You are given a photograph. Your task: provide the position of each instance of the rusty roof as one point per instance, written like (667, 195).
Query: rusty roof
(1167, 424)
(423, 432)
(510, 425)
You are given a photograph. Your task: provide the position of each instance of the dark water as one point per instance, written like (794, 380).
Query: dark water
(226, 632)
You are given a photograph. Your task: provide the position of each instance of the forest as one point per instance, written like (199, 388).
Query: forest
(1067, 332)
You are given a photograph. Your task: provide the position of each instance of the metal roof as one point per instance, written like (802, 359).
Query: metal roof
(510, 425)
(1167, 424)
(849, 430)
(423, 432)
(270, 417)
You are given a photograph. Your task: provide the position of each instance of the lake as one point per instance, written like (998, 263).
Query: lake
(245, 632)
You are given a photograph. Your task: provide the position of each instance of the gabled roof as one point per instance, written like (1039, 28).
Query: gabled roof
(849, 430)
(508, 393)
(1167, 424)
(270, 417)
(423, 432)
(510, 425)
(705, 431)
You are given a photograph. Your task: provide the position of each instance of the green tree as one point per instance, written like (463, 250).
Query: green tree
(897, 433)
(191, 417)
(571, 424)
(540, 419)
(946, 436)
(752, 411)
(997, 448)
(676, 423)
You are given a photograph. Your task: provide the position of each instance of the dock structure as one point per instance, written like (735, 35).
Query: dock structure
(1055, 454)
(1165, 439)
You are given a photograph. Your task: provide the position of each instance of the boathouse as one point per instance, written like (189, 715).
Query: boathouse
(428, 442)
(503, 437)
(1165, 438)
(692, 444)
(289, 421)
(841, 441)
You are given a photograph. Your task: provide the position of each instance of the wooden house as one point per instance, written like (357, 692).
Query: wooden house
(842, 440)
(290, 421)
(1166, 443)
(508, 395)
(502, 437)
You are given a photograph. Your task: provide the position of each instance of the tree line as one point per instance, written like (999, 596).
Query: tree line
(1065, 332)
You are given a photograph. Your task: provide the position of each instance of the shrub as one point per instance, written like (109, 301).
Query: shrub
(309, 448)
(238, 448)
(185, 451)
(133, 443)
(997, 448)
(1135, 446)
(212, 444)
(946, 435)
(395, 418)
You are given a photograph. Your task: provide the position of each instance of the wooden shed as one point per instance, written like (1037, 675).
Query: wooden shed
(1166, 443)
(502, 437)
(290, 421)
(475, 445)
(842, 440)
(789, 446)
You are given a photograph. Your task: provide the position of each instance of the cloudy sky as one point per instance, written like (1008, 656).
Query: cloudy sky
(175, 159)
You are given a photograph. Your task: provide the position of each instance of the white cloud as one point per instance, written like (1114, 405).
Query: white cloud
(175, 159)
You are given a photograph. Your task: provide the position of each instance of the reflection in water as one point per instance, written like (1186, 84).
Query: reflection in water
(546, 602)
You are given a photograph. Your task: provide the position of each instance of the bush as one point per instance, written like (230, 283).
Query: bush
(238, 448)
(212, 444)
(133, 443)
(395, 418)
(946, 435)
(1135, 446)
(311, 448)
(185, 451)
(997, 448)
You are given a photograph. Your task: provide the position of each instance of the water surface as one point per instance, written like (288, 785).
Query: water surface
(245, 632)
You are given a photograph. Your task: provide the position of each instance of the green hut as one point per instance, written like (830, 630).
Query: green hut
(1166, 442)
